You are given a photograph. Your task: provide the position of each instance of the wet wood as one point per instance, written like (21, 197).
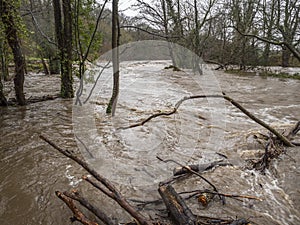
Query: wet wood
(190, 170)
(179, 211)
(199, 168)
(109, 189)
(294, 131)
(78, 215)
(273, 148)
(96, 211)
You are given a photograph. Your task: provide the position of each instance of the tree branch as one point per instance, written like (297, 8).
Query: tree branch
(152, 33)
(295, 52)
(117, 196)
(78, 215)
(101, 215)
(39, 29)
(233, 102)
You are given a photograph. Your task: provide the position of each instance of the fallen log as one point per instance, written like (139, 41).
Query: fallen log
(179, 211)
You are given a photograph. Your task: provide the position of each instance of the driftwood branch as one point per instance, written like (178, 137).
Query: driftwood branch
(262, 123)
(179, 211)
(294, 131)
(191, 171)
(78, 215)
(273, 148)
(97, 212)
(114, 194)
(200, 168)
(233, 102)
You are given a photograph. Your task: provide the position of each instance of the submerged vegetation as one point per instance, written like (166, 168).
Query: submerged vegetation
(264, 73)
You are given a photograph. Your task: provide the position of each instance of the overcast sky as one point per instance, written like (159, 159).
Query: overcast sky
(126, 5)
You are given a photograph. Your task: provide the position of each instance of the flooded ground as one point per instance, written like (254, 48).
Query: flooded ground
(31, 170)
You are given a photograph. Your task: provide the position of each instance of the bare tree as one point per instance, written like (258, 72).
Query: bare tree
(243, 14)
(280, 27)
(115, 58)
(287, 23)
(269, 19)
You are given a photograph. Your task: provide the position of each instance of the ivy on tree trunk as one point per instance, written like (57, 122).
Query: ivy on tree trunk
(63, 29)
(8, 15)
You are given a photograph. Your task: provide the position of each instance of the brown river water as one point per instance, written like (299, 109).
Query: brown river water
(31, 171)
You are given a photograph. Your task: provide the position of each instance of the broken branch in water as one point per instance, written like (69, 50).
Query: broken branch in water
(281, 137)
(97, 212)
(175, 204)
(273, 148)
(200, 168)
(77, 214)
(113, 193)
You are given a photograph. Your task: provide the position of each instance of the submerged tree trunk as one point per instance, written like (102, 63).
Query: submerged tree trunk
(3, 101)
(54, 65)
(115, 58)
(45, 66)
(63, 29)
(4, 61)
(285, 56)
(7, 16)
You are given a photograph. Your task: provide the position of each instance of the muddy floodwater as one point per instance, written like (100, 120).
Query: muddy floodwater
(201, 130)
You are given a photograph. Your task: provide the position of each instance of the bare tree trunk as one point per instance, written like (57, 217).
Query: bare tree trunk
(115, 58)
(7, 16)
(196, 62)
